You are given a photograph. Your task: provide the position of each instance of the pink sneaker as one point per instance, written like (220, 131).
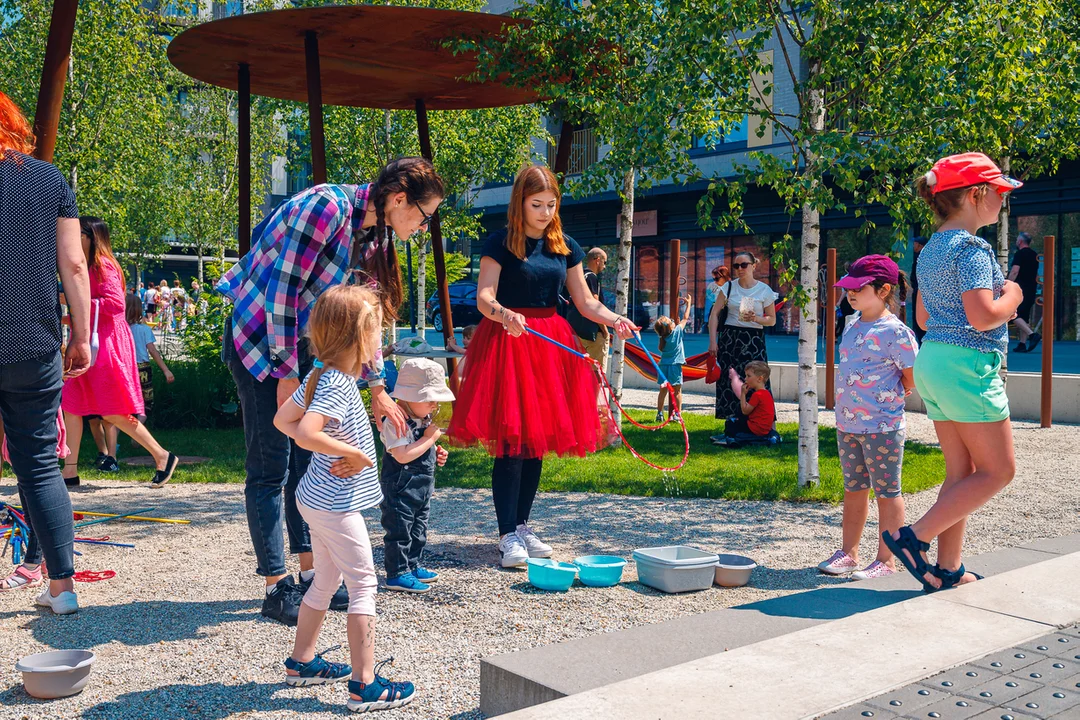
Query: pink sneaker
(839, 564)
(875, 569)
(22, 577)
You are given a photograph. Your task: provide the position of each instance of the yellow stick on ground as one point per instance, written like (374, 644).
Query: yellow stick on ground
(126, 517)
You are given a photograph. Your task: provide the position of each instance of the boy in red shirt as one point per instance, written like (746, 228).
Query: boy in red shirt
(758, 408)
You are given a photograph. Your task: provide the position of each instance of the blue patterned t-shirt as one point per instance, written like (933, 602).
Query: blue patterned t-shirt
(952, 263)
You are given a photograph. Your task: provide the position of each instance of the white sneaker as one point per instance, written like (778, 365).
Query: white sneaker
(536, 548)
(513, 551)
(63, 604)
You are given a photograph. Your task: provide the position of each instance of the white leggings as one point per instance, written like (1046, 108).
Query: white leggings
(340, 544)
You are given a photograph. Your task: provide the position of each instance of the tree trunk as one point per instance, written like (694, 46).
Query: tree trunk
(808, 325)
(1003, 247)
(622, 282)
(199, 249)
(421, 288)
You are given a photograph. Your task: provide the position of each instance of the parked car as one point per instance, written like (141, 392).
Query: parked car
(462, 306)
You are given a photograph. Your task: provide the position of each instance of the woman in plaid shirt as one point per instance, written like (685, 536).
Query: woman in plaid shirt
(325, 236)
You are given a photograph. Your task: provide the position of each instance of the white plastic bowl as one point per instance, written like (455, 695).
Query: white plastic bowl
(56, 674)
(734, 570)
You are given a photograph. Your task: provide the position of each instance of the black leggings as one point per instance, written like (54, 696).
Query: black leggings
(514, 482)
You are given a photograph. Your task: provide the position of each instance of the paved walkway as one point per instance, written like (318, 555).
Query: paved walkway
(1036, 679)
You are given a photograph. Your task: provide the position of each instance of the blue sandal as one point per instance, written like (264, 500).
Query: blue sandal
(371, 694)
(915, 547)
(317, 671)
(949, 579)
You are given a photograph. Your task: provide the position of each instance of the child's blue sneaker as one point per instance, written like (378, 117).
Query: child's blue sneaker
(317, 671)
(407, 583)
(425, 575)
(380, 694)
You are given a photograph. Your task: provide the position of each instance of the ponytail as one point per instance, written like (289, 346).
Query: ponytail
(312, 384)
(900, 290)
(945, 203)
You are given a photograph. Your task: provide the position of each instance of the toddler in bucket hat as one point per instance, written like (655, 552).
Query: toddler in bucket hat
(408, 474)
(421, 380)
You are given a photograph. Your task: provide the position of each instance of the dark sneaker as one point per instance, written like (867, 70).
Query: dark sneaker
(1033, 341)
(163, 476)
(317, 671)
(283, 602)
(340, 601)
(108, 464)
(100, 458)
(72, 481)
(1020, 348)
(379, 694)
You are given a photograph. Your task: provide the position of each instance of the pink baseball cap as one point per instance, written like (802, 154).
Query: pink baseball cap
(967, 169)
(867, 269)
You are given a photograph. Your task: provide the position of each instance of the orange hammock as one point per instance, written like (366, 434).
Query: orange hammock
(693, 368)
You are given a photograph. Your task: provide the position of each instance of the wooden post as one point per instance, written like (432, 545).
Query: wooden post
(54, 72)
(437, 246)
(243, 158)
(562, 150)
(1047, 405)
(315, 110)
(830, 330)
(674, 254)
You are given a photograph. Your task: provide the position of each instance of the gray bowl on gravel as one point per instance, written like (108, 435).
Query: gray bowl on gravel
(56, 674)
(733, 570)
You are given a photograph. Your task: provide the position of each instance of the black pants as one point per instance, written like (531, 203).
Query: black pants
(514, 482)
(29, 400)
(406, 507)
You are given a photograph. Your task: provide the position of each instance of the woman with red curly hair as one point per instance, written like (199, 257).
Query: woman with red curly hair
(524, 398)
(39, 235)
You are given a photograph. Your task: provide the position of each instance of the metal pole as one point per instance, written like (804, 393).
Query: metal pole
(436, 245)
(1047, 405)
(315, 109)
(243, 157)
(562, 150)
(830, 330)
(54, 72)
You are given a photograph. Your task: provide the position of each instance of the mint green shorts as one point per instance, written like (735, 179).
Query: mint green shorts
(959, 384)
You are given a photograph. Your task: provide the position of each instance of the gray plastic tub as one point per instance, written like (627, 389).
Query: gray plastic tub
(734, 570)
(675, 568)
(56, 674)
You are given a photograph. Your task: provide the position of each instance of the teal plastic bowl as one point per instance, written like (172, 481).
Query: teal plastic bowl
(600, 570)
(553, 575)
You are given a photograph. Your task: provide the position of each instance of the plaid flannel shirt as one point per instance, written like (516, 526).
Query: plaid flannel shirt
(298, 251)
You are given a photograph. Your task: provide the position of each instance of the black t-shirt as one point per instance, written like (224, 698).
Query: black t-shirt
(534, 282)
(33, 195)
(583, 327)
(1028, 277)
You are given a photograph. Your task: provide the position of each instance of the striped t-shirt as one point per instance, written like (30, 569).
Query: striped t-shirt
(338, 398)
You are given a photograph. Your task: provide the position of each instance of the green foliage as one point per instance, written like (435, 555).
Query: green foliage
(204, 394)
(743, 474)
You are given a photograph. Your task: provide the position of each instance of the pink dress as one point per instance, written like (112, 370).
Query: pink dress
(111, 385)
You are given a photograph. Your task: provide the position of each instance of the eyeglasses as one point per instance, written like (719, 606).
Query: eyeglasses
(427, 216)
(740, 266)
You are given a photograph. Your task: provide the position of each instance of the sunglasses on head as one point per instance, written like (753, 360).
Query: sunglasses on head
(740, 266)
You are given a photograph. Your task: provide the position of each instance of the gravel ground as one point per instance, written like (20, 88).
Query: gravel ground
(178, 632)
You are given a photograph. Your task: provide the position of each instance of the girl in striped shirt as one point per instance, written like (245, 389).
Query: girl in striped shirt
(327, 416)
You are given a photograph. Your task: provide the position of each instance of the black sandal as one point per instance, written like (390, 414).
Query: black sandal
(915, 547)
(949, 579)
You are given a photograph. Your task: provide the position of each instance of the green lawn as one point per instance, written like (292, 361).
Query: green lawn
(746, 474)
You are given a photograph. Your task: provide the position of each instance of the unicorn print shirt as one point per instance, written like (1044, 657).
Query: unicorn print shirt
(869, 380)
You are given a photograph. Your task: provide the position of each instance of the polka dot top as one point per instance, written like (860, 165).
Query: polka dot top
(33, 195)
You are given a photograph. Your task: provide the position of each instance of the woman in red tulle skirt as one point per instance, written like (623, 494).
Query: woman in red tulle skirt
(524, 397)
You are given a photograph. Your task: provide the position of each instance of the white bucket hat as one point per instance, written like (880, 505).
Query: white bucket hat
(421, 380)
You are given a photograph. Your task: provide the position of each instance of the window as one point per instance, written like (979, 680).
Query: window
(735, 137)
(584, 151)
(227, 9)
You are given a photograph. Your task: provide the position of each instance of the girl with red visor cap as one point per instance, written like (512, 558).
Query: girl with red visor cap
(965, 304)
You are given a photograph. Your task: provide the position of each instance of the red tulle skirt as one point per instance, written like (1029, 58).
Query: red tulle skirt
(524, 397)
